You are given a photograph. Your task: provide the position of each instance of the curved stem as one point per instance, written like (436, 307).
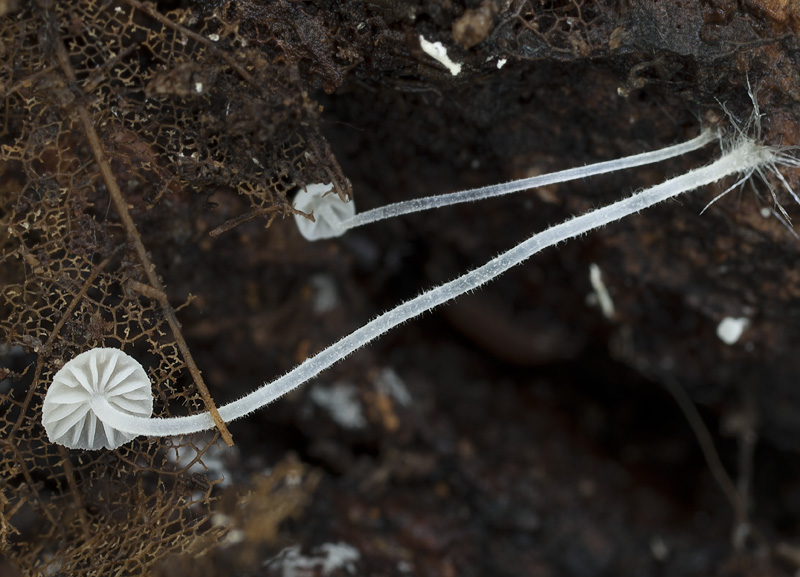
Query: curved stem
(742, 158)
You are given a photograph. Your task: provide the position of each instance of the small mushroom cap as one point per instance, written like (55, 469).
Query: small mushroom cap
(329, 212)
(67, 413)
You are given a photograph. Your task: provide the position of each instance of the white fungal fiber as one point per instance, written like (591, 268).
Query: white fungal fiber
(69, 415)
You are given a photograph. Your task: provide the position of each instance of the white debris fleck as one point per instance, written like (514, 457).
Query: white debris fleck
(389, 383)
(293, 479)
(323, 560)
(730, 329)
(600, 290)
(341, 402)
(213, 37)
(233, 537)
(220, 520)
(53, 566)
(437, 51)
(765, 212)
(326, 297)
(501, 63)
(659, 548)
(198, 87)
(339, 556)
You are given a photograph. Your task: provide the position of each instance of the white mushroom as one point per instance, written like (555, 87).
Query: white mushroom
(334, 218)
(68, 413)
(329, 212)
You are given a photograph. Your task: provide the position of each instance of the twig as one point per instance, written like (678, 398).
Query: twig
(737, 494)
(229, 225)
(150, 10)
(76, 494)
(706, 446)
(130, 227)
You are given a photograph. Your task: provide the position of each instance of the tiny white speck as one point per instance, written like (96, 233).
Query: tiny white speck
(198, 87)
(659, 548)
(730, 329)
(501, 63)
(338, 556)
(389, 383)
(323, 560)
(213, 37)
(603, 297)
(293, 479)
(341, 402)
(326, 297)
(437, 51)
(765, 212)
(234, 537)
(220, 520)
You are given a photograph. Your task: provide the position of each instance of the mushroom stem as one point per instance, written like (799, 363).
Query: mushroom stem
(429, 202)
(745, 156)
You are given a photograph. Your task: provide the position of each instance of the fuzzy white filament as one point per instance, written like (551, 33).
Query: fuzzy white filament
(745, 156)
(332, 218)
(68, 413)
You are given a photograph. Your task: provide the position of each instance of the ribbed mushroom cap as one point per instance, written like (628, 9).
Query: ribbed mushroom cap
(67, 413)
